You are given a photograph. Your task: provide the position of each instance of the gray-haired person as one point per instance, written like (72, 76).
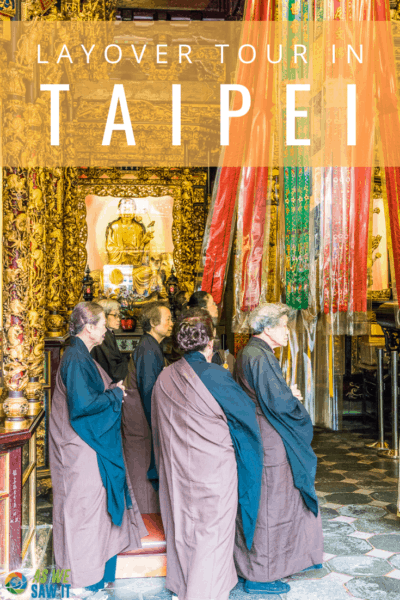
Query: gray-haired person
(144, 367)
(288, 536)
(95, 512)
(107, 354)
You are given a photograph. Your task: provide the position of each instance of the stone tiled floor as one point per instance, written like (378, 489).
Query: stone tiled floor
(358, 493)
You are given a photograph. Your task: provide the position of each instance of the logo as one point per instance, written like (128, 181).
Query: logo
(16, 583)
(53, 585)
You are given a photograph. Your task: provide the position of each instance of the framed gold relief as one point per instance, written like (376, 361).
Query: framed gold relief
(170, 203)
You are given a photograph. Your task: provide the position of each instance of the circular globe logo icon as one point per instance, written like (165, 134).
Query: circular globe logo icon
(16, 583)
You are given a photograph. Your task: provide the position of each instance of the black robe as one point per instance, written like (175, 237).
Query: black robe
(110, 357)
(146, 364)
(285, 413)
(288, 536)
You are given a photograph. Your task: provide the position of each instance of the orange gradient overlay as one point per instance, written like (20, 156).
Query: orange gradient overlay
(201, 94)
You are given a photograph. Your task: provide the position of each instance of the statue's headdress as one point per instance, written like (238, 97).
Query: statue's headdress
(127, 206)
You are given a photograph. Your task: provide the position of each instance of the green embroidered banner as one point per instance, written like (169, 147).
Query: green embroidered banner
(297, 186)
(297, 179)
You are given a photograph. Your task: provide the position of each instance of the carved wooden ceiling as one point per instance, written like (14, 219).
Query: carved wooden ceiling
(180, 9)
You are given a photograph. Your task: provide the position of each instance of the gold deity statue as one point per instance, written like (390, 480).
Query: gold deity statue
(126, 237)
(127, 243)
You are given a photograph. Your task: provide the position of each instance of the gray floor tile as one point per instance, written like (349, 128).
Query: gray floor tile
(345, 546)
(124, 594)
(364, 512)
(350, 465)
(392, 508)
(377, 525)
(375, 588)
(328, 513)
(138, 591)
(314, 574)
(360, 565)
(368, 582)
(344, 498)
(327, 477)
(337, 528)
(389, 542)
(316, 589)
(164, 595)
(395, 561)
(336, 486)
(375, 486)
(142, 584)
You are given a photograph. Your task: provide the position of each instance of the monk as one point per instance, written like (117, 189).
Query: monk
(107, 354)
(144, 367)
(288, 536)
(206, 301)
(209, 457)
(95, 515)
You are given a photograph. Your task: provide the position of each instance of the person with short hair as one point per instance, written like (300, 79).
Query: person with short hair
(95, 515)
(107, 354)
(209, 458)
(206, 301)
(288, 537)
(144, 367)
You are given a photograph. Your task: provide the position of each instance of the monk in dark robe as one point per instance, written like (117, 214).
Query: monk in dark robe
(107, 354)
(288, 536)
(95, 515)
(209, 457)
(144, 367)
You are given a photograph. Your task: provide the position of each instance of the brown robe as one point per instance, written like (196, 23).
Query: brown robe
(84, 536)
(136, 440)
(230, 360)
(198, 485)
(288, 537)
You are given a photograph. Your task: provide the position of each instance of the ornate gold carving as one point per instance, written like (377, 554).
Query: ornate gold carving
(91, 10)
(40, 444)
(379, 295)
(44, 10)
(43, 484)
(7, 7)
(16, 408)
(54, 252)
(198, 219)
(376, 239)
(395, 12)
(152, 134)
(33, 393)
(272, 287)
(377, 183)
(15, 288)
(27, 46)
(70, 238)
(37, 285)
(14, 136)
